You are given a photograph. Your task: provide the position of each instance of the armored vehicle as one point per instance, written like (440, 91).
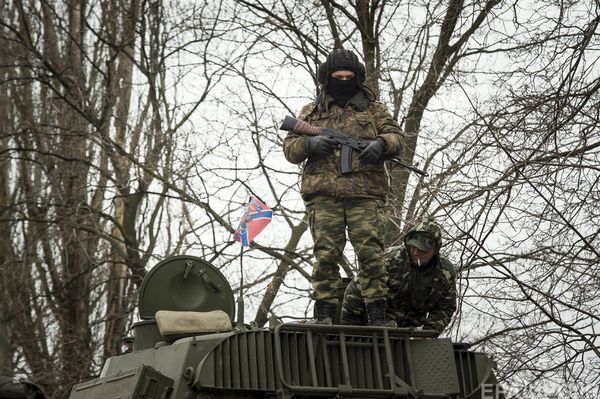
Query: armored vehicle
(186, 347)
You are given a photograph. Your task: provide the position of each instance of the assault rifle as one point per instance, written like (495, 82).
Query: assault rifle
(345, 142)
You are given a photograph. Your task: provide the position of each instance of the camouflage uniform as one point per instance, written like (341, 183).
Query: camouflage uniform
(418, 296)
(355, 201)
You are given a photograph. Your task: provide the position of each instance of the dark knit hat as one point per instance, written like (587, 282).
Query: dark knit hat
(340, 59)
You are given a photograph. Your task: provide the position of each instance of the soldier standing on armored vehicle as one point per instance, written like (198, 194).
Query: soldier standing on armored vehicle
(421, 282)
(337, 200)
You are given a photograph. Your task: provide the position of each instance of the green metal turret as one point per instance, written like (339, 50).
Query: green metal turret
(180, 283)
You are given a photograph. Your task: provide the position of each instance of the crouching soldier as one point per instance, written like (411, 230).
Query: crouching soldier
(421, 284)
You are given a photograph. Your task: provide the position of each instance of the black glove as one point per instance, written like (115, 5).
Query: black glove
(319, 145)
(373, 152)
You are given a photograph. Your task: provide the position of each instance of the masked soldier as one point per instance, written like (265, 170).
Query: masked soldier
(421, 283)
(353, 201)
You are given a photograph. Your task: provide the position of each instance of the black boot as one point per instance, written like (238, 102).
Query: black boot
(376, 312)
(325, 311)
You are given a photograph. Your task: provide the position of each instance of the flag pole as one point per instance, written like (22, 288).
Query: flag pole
(240, 301)
(254, 220)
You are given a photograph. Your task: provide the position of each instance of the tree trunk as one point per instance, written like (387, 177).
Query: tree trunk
(282, 269)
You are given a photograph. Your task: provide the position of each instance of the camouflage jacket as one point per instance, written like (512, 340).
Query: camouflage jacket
(361, 119)
(424, 296)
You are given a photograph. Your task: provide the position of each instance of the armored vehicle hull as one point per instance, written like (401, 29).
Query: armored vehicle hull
(203, 359)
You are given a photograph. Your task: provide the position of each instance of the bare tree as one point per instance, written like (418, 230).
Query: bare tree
(310, 31)
(130, 132)
(508, 97)
(88, 160)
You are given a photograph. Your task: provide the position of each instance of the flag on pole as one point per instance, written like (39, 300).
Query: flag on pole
(256, 217)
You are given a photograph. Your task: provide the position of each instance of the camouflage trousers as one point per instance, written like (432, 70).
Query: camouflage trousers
(354, 311)
(364, 220)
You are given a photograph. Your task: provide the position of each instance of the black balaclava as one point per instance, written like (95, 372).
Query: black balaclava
(342, 90)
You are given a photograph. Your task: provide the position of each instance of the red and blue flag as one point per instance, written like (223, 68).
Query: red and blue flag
(256, 217)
